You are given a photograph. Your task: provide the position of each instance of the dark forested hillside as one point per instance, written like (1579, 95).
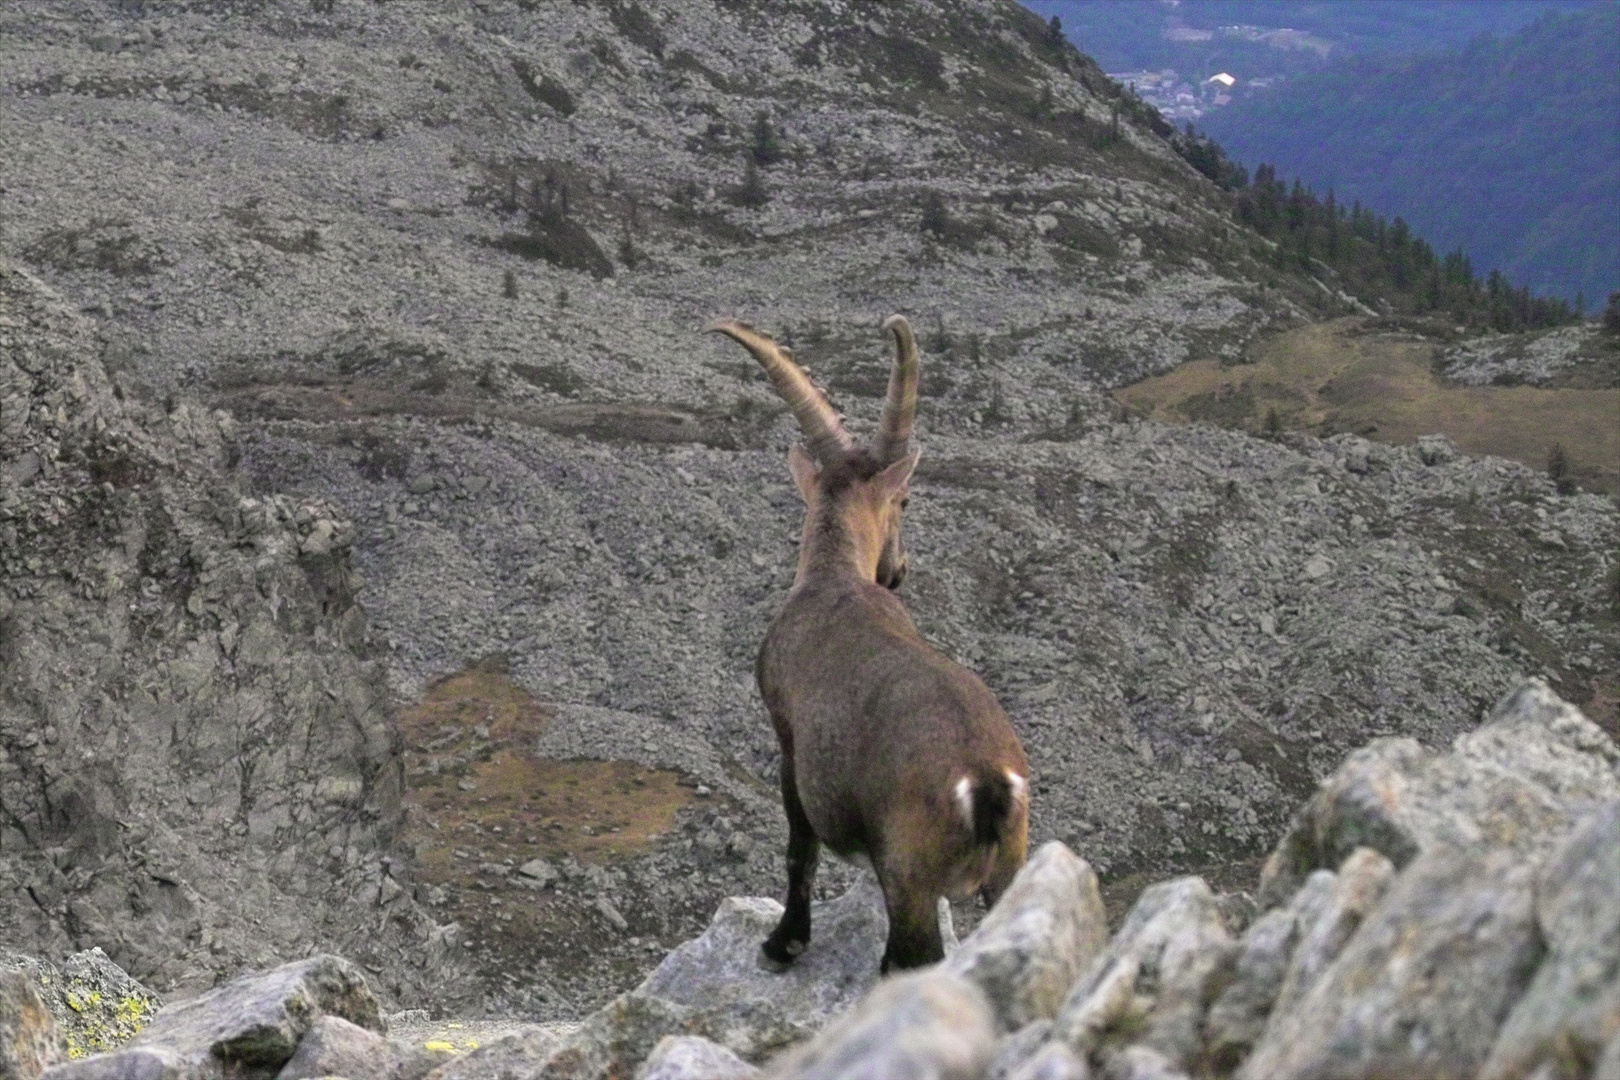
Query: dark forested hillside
(1508, 147)
(1260, 38)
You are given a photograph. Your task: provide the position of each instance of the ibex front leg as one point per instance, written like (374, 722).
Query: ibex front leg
(792, 934)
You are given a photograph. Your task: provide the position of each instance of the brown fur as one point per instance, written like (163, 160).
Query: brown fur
(877, 727)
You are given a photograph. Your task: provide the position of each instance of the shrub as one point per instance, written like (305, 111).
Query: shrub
(1558, 470)
(766, 148)
(751, 192)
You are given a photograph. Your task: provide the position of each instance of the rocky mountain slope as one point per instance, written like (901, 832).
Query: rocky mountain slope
(444, 273)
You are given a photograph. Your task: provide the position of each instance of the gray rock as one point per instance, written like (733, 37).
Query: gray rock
(717, 980)
(1572, 1007)
(1608, 1066)
(134, 1063)
(1159, 971)
(1423, 986)
(418, 1060)
(1357, 888)
(1012, 1050)
(97, 1006)
(1053, 1061)
(1436, 449)
(1043, 932)
(334, 1047)
(713, 986)
(519, 1053)
(228, 621)
(690, 1057)
(253, 1022)
(29, 1041)
(1141, 1063)
(538, 872)
(928, 1024)
(1530, 771)
(1238, 1017)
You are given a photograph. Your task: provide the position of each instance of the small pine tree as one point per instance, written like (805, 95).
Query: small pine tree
(1611, 314)
(509, 285)
(766, 148)
(1274, 423)
(751, 192)
(935, 218)
(562, 296)
(1558, 470)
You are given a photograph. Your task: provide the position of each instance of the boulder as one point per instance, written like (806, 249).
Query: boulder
(334, 1047)
(927, 1024)
(1422, 987)
(518, 1053)
(97, 1005)
(1039, 937)
(1356, 890)
(29, 1041)
(714, 987)
(1520, 780)
(1155, 977)
(1053, 1061)
(253, 1022)
(1238, 1017)
(1012, 1051)
(1141, 1063)
(1572, 1007)
(691, 1057)
(1608, 1066)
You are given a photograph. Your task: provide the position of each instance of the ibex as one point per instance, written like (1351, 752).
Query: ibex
(892, 754)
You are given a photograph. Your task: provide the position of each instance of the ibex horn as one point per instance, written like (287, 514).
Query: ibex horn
(900, 407)
(820, 424)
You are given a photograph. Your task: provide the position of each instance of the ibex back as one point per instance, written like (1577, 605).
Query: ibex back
(892, 754)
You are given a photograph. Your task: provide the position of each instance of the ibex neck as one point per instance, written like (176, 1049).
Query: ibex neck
(827, 548)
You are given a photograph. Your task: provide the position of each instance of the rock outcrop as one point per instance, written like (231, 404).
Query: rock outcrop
(1428, 951)
(95, 1004)
(197, 773)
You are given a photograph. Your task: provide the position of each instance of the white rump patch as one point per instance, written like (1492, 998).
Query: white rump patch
(1020, 786)
(963, 792)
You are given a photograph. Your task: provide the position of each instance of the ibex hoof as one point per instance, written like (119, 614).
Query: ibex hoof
(778, 958)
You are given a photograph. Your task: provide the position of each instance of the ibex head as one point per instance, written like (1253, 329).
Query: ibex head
(853, 497)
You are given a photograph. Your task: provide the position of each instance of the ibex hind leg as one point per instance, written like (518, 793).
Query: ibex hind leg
(792, 934)
(914, 937)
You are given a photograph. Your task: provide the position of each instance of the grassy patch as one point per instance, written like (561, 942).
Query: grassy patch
(1339, 376)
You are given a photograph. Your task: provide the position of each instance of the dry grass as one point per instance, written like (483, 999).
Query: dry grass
(480, 803)
(1334, 376)
(474, 783)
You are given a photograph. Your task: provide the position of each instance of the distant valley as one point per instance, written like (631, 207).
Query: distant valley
(1494, 128)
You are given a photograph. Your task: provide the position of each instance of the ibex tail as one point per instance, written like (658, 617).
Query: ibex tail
(987, 803)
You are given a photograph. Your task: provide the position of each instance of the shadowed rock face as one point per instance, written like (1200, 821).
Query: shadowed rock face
(196, 766)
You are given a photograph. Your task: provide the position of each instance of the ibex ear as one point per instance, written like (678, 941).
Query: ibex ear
(803, 468)
(892, 480)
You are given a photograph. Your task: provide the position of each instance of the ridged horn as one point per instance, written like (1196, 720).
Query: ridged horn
(822, 429)
(893, 440)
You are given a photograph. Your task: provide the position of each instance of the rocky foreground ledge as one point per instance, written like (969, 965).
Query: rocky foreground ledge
(1452, 915)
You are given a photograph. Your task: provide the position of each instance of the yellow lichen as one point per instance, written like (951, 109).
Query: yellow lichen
(439, 1046)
